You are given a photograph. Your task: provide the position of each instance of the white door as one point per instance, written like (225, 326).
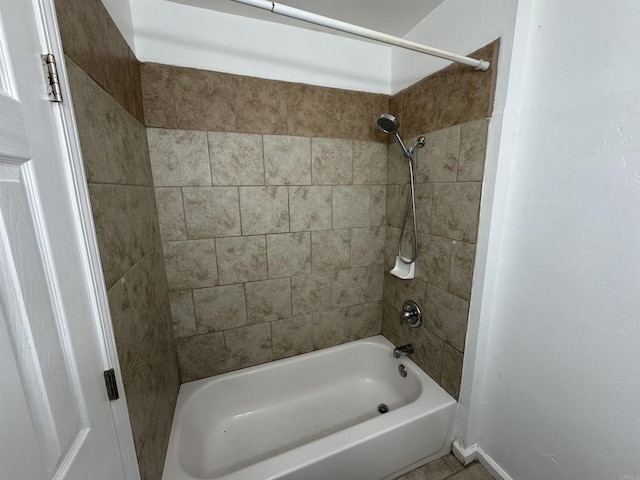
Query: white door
(56, 421)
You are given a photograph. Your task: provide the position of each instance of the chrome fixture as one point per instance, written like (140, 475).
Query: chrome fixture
(402, 370)
(389, 124)
(411, 314)
(403, 350)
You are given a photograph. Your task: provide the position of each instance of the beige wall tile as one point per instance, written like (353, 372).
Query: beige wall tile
(136, 80)
(191, 264)
(446, 316)
(473, 147)
(455, 210)
(351, 206)
(414, 290)
(119, 75)
(128, 328)
(369, 163)
(424, 201)
(204, 100)
(201, 356)
(395, 206)
(287, 160)
(380, 105)
(179, 157)
(289, 254)
(451, 370)
(183, 313)
(113, 228)
(310, 208)
(349, 287)
(311, 293)
(367, 246)
(154, 262)
(292, 336)
(171, 213)
(364, 321)
(114, 145)
(397, 165)
(264, 210)
(375, 283)
(241, 259)
(157, 84)
(211, 211)
(248, 346)
(464, 95)
(438, 160)
(143, 218)
(331, 161)
(236, 158)
(389, 289)
(378, 208)
(309, 110)
(260, 105)
(81, 25)
(158, 434)
(391, 246)
(420, 102)
(434, 260)
(330, 328)
(268, 300)
(147, 462)
(142, 388)
(428, 351)
(462, 257)
(330, 250)
(220, 308)
(135, 145)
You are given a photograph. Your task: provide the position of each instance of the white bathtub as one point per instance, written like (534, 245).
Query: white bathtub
(311, 417)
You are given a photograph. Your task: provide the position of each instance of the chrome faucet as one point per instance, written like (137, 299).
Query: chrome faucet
(403, 350)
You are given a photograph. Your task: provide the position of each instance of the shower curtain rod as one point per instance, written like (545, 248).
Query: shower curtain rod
(321, 20)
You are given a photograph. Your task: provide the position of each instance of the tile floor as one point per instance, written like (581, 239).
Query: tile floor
(448, 468)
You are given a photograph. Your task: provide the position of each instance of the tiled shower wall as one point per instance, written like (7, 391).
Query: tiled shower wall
(105, 85)
(271, 199)
(451, 108)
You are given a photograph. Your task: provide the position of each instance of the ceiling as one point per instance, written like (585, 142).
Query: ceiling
(395, 17)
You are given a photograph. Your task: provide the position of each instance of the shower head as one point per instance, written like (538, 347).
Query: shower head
(388, 123)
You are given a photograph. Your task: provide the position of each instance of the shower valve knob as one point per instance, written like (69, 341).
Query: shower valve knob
(411, 314)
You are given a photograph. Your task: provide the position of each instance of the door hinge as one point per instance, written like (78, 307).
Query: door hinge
(51, 77)
(112, 385)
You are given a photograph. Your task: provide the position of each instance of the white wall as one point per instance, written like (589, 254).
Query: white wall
(559, 389)
(176, 34)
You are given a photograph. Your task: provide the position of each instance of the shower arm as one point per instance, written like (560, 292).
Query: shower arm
(334, 24)
(407, 153)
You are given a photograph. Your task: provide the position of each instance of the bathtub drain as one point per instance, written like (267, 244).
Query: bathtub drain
(382, 408)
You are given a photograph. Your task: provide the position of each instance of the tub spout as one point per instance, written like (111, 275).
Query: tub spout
(403, 350)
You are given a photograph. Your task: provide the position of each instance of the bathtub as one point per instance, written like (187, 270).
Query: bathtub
(311, 417)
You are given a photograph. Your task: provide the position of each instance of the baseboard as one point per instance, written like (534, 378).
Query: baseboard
(475, 452)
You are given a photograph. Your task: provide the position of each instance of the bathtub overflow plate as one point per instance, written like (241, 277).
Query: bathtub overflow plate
(403, 370)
